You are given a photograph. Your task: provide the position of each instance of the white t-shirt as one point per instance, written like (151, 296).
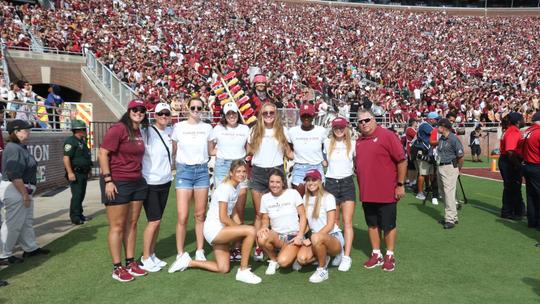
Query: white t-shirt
(156, 167)
(225, 192)
(307, 144)
(230, 142)
(282, 210)
(328, 203)
(192, 139)
(340, 165)
(270, 153)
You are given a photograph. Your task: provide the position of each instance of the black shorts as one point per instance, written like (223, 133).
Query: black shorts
(156, 201)
(128, 191)
(476, 150)
(342, 189)
(382, 215)
(411, 166)
(261, 176)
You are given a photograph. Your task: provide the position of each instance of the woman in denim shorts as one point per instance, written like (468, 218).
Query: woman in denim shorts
(191, 140)
(340, 150)
(229, 139)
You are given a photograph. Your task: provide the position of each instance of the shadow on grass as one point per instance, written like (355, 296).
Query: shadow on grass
(534, 283)
(429, 210)
(361, 241)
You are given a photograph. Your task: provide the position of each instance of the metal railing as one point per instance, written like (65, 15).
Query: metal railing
(3, 62)
(38, 115)
(47, 50)
(116, 87)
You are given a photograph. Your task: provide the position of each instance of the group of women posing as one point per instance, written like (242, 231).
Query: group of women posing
(137, 161)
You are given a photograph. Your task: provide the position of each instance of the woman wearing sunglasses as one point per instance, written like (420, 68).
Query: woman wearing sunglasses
(282, 209)
(339, 150)
(229, 139)
(123, 187)
(157, 171)
(268, 143)
(191, 143)
(326, 238)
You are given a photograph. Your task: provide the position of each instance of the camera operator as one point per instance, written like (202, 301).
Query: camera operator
(474, 143)
(450, 160)
(422, 145)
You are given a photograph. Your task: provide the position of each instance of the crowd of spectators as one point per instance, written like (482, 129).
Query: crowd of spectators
(403, 64)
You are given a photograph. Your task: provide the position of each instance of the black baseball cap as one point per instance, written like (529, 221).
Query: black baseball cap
(444, 122)
(17, 124)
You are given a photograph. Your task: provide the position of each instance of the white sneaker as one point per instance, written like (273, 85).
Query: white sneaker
(199, 255)
(296, 266)
(434, 201)
(345, 263)
(272, 267)
(337, 259)
(157, 261)
(181, 263)
(149, 265)
(321, 274)
(247, 276)
(421, 196)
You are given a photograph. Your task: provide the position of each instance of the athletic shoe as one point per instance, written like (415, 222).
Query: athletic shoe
(345, 264)
(122, 275)
(10, 260)
(421, 196)
(157, 261)
(296, 266)
(321, 274)
(235, 255)
(199, 255)
(149, 265)
(374, 261)
(181, 263)
(337, 259)
(3, 283)
(272, 267)
(39, 251)
(135, 270)
(389, 263)
(258, 255)
(247, 276)
(434, 201)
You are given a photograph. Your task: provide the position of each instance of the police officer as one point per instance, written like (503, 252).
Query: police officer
(78, 163)
(531, 170)
(450, 160)
(511, 170)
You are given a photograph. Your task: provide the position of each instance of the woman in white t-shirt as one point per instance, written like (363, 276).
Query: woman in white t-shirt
(222, 227)
(340, 150)
(326, 238)
(229, 140)
(268, 143)
(282, 209)
(191, 142)
(157, 171)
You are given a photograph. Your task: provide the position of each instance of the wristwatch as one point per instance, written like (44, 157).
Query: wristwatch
(400, 184)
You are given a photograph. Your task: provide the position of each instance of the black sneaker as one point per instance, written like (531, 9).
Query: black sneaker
(36, 252)
(442, 222)
(3, 283)
(10, 260)
(77, 222)
(449, 225)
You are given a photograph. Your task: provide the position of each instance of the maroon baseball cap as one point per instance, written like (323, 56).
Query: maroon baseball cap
(135, 103)
(314, 174)
(339, 122)
(307, 109)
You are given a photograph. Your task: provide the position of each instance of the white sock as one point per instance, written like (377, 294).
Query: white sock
(178, 256)
(377, 252)
(389, 252)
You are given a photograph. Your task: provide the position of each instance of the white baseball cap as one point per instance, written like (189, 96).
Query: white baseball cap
(230, 106)
(162, 106)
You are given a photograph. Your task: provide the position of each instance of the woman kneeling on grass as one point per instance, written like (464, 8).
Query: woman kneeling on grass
(222, 228)
(326, 239)
(280, 209)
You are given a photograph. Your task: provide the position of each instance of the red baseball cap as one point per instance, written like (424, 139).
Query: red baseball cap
(314, 174)
(135, 103)
(307, 109)
(339, 122)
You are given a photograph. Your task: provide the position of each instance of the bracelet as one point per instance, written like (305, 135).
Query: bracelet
(105, 175)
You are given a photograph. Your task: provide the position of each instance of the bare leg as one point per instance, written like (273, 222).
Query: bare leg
(348, 208)
(149, 238)
(182, 208)
(390, 239)
(374, 237)
(201, 199)
(130, 232)
(117, 216)
(269, 243)
(256, 196)
(323, 245)
(287, 255)
(300, 188)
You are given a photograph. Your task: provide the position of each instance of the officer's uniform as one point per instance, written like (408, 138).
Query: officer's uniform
(449, 150)
(531, 170)
(512, 174)
(81, 163)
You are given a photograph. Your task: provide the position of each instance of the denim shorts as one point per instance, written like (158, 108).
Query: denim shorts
(221, 169)
(299, 172)
(192, 176)
(338, 235)
(342, 189)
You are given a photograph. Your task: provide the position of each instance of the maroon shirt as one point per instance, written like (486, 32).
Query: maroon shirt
(376, 162)
(125, 157)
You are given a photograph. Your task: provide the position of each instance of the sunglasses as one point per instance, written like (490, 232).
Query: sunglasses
(269, 113)
(139, 110)
(164, 114)
(194, 108)
(364, 121)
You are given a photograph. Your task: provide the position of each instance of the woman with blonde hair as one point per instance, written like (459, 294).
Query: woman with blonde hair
(339, 150)
(268, 144)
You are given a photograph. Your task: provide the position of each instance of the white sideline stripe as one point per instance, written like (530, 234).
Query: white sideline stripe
(488, 178)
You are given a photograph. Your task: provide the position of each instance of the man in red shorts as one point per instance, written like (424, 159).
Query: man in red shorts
(381, 167)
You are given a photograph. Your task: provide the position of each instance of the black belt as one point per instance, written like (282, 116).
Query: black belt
(444, 164)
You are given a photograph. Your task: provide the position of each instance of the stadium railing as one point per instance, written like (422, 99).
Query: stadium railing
(3, 62)
(37, 115)
(45, 50)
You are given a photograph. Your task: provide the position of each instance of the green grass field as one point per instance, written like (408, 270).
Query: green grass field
(483, 260)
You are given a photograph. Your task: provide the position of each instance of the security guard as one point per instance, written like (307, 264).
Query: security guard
(531, 170)
(450, 160)
(78, 163)
(511, 170)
